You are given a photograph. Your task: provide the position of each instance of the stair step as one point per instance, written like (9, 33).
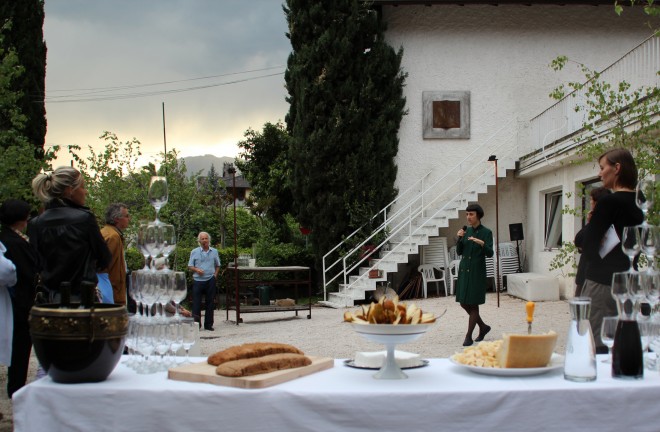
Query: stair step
(403, 245)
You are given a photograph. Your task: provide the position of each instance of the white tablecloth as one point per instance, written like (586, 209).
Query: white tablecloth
(439, 397)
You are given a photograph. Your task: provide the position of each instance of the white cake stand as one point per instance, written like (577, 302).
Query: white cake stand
(391, 335)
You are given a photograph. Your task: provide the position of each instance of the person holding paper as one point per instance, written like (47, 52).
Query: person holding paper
(618, 172)
(594, 196)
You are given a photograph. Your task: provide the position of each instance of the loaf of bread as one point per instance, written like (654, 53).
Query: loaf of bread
(526, 351)
(261, 365)
(251, 350)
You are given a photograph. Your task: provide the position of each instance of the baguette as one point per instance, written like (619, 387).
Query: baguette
(251, 350)
(261, 365)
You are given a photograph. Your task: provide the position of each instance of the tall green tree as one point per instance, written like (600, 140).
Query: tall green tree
(26, 36)
(264, 162)
(18, 165)
(345, 87)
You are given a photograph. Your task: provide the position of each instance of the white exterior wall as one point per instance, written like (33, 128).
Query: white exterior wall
(501, 54)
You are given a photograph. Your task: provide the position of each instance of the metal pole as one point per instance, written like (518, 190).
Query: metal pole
(232, 171)
(497, 235)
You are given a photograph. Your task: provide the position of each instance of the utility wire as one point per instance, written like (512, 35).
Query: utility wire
(92, 95)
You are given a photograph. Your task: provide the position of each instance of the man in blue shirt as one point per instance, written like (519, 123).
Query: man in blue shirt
(205, 264)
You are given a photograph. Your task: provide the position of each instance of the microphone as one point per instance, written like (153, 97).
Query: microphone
(464, 230)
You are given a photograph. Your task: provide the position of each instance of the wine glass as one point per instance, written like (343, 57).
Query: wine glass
(146, 346)
(153, 241)
(649, 239)
(164, 288)
(169, 242)
(621, 293)
(162, 343)
(607, 331)
(158, 193)
(650, 280)
(176, 339)
(190, 331)
(179, 291)
(637, 292)
(645, 195)
(630, 243)
(142, 244)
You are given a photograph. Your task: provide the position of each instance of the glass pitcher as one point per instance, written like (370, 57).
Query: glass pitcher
(580, 360)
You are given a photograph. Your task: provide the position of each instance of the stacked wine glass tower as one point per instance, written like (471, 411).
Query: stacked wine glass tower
(637, 330)
(154, 338)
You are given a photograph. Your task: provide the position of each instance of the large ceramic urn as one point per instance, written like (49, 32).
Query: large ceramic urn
(78, 344)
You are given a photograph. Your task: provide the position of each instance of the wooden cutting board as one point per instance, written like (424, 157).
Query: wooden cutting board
(205, 373)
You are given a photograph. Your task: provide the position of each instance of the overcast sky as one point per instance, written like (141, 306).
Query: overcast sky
(106, 59)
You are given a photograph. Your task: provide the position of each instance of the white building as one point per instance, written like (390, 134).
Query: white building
(494, 58)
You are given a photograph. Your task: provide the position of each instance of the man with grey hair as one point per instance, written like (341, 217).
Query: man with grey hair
(204, 263)
(112, 281)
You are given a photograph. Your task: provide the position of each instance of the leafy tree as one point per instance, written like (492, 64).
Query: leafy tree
(264, 163)
(25, 34)
(18, 165)
(616, 116)
(345, 92)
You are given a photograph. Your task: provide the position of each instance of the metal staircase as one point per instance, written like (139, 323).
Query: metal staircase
(409, 220)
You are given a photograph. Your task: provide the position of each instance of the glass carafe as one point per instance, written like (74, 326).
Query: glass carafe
(580, 360)
(627, 354)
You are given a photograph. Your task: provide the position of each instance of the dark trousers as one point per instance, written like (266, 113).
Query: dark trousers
(20, 350)
(206, 289)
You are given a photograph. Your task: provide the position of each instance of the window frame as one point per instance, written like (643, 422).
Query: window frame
(553, 204)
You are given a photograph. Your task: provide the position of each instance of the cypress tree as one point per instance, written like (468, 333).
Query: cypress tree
(345, 88)
(26, 36)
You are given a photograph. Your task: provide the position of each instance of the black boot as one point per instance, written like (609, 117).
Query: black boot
(467, 341)
(483, 331)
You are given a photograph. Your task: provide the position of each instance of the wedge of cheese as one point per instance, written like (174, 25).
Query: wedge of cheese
(526, 351)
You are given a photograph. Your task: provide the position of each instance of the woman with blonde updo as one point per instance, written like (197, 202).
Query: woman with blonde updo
(66, 235)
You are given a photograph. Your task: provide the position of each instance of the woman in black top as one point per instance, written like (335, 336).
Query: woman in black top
(14, 216)
(66, 235)
(594, 196)
(619, 173)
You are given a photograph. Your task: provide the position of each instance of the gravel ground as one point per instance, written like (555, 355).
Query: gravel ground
(326, 335)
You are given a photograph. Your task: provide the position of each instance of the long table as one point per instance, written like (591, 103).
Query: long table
(439, 397)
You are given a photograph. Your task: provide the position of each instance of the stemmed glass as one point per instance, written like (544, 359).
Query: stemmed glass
(158, 194)
(168, 234)
(621, 293)
(179, 291)
(162, 338)
(190, 331)
(142, 244)
(146, 346)
(176, 339)
(153, 241)
(630, 243)
(645, 195)
(649, 239)
(650, 280)
(607, 331)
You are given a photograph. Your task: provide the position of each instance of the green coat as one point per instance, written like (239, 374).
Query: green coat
(472, 281)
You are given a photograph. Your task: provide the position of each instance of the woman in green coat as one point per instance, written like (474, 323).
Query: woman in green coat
(474, 245)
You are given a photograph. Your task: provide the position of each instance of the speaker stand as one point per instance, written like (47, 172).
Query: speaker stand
(518, 254)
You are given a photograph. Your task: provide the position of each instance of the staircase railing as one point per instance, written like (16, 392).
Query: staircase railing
(423, 196)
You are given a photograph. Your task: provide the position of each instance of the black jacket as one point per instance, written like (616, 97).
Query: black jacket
(70, 246)
(618, 209)
(24, 257)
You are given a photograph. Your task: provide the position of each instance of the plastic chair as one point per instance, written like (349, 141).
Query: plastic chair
(453, 274)
(428, 275)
